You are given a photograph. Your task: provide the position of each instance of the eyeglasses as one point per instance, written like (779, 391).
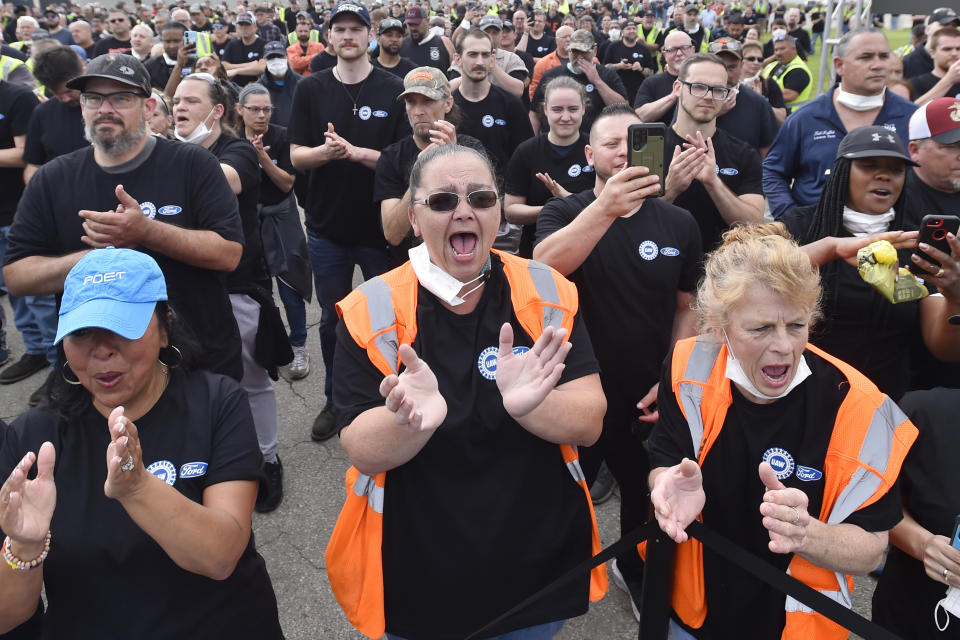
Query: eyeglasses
(683, 47)
(700, 90)
(112, 20)
(753, 58)
(446, 201)
(118, 100)
(258, 110)
(217, 27)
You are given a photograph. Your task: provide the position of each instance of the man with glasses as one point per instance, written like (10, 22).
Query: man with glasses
(657, 95)
(131, 189)
(603, 85)
(711, 174)
(119, 39)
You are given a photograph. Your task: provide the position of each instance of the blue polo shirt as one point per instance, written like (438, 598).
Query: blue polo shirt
(806, 148)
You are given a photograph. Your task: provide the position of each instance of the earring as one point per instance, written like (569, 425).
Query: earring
(179, 358)
(63, 374)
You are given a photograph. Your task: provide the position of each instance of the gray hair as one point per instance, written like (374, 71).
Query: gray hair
(843, 47)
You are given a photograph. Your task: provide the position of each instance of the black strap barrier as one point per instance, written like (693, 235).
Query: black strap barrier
(733, 553)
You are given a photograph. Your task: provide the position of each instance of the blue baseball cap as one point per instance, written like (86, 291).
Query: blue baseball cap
(112, 289)
(352, 8)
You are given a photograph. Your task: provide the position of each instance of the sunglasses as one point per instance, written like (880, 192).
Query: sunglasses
(446, 201)
(753, 58)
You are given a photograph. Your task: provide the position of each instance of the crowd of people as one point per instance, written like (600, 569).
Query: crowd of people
(538, 309)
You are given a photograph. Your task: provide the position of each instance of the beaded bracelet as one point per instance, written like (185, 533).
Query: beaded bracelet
(16, 563)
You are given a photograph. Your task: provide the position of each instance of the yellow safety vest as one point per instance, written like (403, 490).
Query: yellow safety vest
(796, 63)
(282, 14)
(7, 65)
(705, 43)
(650, 38)
(204, 46)
(494, 10)
(18, 45)
(564, 8)
(293, 39)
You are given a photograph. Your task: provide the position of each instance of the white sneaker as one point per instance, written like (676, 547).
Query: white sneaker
(622, 585)
(300, 366)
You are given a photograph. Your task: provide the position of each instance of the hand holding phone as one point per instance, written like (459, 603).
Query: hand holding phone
(645, 145)
(933, 231)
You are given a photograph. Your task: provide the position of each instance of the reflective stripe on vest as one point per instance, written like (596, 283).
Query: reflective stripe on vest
(853, 479)
(7, 65)
(292, 37)
(796, 63)
(651, 37)
(204, 47)
(705, 43)
(365, 486)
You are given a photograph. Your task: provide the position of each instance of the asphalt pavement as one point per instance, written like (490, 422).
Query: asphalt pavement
(292, 539)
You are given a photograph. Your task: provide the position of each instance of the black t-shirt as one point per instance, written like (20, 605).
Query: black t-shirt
(238, 53)
(393, 178)
(111, 45)
(773, 94)
(499, 121)
(628, 289)
(159, 71)
(55, 129)
(653, 88)
(917, 62)
(401, 69)
(802, 40)
(618, 51)
(427, 53)
(801, 425)
(16, 105)
(750, 120)
(179, 184)
(275, 138)
(199, 434)
(219, 47)
(326, 59)
(595, 103)
(240, 154)
(739, 168)
(539, 48)
(817, 27)
(905, 597)
(339, 206)
(457, 497)
(567, 165)
(923, 83)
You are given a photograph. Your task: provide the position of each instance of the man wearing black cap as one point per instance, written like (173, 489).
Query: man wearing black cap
(746, 114)
(280, 81)
(920, 61)
(390, 34)
(649, 30)
(119, 40)
(169, 199)
(55, 30)
(535, 42)
(630, 58)
(699, 35)
(341, 118)
(243, 58)
(422, 47)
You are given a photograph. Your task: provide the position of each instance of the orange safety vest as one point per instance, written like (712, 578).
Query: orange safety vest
(871, 437)
(380, 315)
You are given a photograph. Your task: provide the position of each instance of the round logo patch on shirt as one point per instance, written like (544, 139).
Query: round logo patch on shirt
(648, 250)
(574, 170)
(487, 121)
(365, 113)
(149, 209)
(487, 362)
(434, 53)
(780, 460)
(590, 88)
(165, 470)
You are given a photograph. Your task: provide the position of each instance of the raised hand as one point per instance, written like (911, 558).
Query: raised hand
(413, 397)
(125, 470)
(26, 506)
(784, 513)
(122, 228)
(525, 380)
(678, 498)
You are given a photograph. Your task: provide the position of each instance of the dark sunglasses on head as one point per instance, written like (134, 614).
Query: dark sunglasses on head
(446, 201)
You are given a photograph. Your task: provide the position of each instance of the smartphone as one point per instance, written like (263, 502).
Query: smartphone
(955, 538)
(189, 38)
(933, 231)
(645, 147)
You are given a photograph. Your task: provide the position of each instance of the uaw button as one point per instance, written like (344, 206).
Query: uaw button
(780, 461)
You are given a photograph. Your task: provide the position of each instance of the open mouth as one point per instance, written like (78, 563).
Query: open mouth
(108, 379)
(882, 193)
(464, 245)
(775, 375)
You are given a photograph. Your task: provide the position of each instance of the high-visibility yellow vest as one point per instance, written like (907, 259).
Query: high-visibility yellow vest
(705, 43)
(796, 63)
(293, 39)
(282, 13)
(564, 8)
(204, 46)
(18, 45)
(7, 65)
(650, 38)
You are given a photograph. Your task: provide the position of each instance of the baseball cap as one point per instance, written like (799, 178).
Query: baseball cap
(873, 142)
(245, 17)
(112, 289)
(938, 119)
(195, 8)
(691, 7)
(304, 14)
(427, 81)
(491, 21)
(389, 23)
(507, 25)
(581, 40)
(121, 67)
(943, 15)
(648, 14)
(274, 49)
(350, 8)
(414, 15)
(726, 45)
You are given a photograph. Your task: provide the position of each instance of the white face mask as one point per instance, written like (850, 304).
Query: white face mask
(735, 373)
(439, 282)
(437, 31)
(199, 134)
(866, 224)
(858, 102)
(277, 66)
(574, 68)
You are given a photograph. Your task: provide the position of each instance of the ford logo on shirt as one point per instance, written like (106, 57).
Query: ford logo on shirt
(169, 210)
(808, 474)
(729, 171)
(670, 252)
(193, 469)
(379, 114)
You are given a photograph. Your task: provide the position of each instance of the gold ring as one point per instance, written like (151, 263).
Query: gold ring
(946, 573)
(940, 273)
(797, 519)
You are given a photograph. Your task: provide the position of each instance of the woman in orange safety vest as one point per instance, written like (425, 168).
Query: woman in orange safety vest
(780, 447)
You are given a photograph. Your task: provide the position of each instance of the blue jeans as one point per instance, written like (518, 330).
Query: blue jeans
(296, 310)
(679, 633)
(34, 316)
(539, 632)
(333, 279)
